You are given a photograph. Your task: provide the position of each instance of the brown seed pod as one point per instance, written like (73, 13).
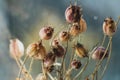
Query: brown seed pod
(46, 32)
(59, 51)
(49, 59)
(80, 50)
(41, 77)
(64, 36)
(83, 25)
(75, 29)
(109, 27)
(36, 50)
(16, 48)
(98, 53)
(55, 43)
(76, 64)
(73, 14)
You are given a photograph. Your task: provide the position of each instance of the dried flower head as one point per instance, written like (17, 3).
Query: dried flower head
(64, 36)
(16, 48)
(46, 32)
(75, 29)
(36, 50)
(109, 26)
(55, 43)
(49, 59)
(76, 64)
(73, 14)
(59, 51)
(98, 53)
(80, 50)
(41, 77)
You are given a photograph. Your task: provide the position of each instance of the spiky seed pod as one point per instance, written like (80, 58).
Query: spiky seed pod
(36, 50)
(16, 48)
(49, 59)
(80, 50)
(98, 53)
(109, 27)
(46, 32)
(73, 14)
(41, 77)
(76, 64)
(83, 25)
(75, 29)
(64, 36)
(59, 51)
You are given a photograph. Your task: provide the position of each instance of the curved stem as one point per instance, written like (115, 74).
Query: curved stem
(30, 67)
(103, 40)
(107, 63)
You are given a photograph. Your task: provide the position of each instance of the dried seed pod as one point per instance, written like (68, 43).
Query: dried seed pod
(76, 64)
(83, 25)
(46, 32)
(16, 48)
(49, 59)
(59, 51)
(64, 36)
(73, 14)
(55, 43)
(36, 50)
(49, 68)
(98, 53)
(80, 50)
(41, 77)
(75, 29)
(109, 26)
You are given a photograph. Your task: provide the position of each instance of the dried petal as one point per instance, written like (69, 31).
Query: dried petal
(16, 48)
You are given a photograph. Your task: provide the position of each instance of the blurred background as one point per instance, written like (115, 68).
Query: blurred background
(23, 19)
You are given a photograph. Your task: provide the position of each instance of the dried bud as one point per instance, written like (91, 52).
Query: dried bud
(83, 25)
(64, 36)
(73, 14)
(75, 29)
(49, 59)
(59, 51)
(98, 53)
(46, 32)
(16, 48)
(36, 50)
(80, 50)
(76, 64)
(109, 26)
(55, 43)
(41, 77)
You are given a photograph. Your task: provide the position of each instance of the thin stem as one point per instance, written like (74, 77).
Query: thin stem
(103, 40)
(43, 68)
(82, 70)
(117, 21)
(108, 61)
(51, 77)
(19, 74)
(31, 63)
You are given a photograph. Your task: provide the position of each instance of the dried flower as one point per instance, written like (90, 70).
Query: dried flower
(109, 26)
(46, 32)
(98, 53)
(76, 64)
(80, 50)
(59, 51)
(64, 36)
(36, 50)
(41, 77)
(73, 14)
(16, 48)
(55, 43)
(49, 59)
(75, 29)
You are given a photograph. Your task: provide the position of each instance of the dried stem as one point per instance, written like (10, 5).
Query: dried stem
(103, 40)
(31, 63)
(107, 63)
